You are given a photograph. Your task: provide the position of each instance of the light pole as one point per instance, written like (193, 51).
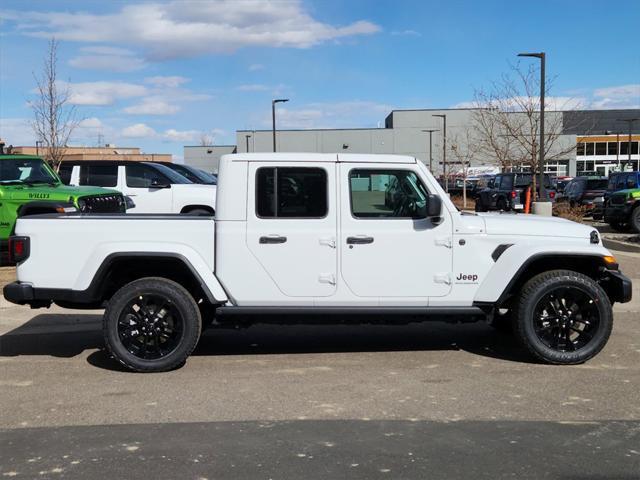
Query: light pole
(247, 137)
(444, 151)
(630, 122)
(430, 149)
(542, 57)
(608, 132)
(273, 117)
(38, 143)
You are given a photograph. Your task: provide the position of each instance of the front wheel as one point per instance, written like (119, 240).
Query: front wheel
(635, 219)
(152, 325)
(563, 317)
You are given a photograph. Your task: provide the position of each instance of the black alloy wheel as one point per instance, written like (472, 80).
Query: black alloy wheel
(150, 327)
(566, 319)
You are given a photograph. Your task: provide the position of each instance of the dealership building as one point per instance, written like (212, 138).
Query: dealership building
(597, 140)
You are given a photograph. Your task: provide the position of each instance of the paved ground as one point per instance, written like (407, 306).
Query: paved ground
(414, 401)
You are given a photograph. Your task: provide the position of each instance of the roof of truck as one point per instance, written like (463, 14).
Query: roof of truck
(318, 157)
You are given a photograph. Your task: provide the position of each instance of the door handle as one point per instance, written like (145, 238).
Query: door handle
(359, 240)
(273, 239)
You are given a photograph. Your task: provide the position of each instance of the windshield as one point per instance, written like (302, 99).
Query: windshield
(525, 179)
(194, 174)
(597, 184)
(26, 171)
(174, 177)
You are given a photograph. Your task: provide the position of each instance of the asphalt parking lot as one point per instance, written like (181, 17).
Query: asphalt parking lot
(410, 401)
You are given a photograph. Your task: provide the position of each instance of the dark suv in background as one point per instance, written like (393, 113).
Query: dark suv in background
(507, 191)
(586, 192)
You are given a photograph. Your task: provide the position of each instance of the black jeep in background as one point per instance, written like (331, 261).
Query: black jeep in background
(507, 191)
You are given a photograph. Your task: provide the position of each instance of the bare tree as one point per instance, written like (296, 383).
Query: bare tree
(54, 116)
(464, 148)
(508, 121)
(206, 140)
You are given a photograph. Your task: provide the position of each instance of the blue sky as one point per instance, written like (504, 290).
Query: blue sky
(161, 74)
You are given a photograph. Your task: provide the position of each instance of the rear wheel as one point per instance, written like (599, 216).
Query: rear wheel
(151, 325)
(501, 204)
(563, 317)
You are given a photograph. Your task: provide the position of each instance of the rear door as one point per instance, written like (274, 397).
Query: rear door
(386, 250)
(291, 225)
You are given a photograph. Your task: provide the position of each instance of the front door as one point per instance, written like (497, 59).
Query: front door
(291, 226)
(387, 250)
(137, 180)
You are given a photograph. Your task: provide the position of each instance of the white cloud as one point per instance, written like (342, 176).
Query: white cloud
(254, 67)
(152, 106)
(167, 82)
(623, 96)
(173, 135)
(331, 115)
(187, 28)
(406, 33)
(139, 130)
(17, 131)
(102, 93)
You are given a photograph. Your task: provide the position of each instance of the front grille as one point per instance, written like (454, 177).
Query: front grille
(102, 204)
(617, 199)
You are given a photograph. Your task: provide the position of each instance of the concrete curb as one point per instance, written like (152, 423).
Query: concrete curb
(621, 246)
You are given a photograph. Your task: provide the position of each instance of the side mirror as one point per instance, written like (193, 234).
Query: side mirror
(434, 206)
(158, 183)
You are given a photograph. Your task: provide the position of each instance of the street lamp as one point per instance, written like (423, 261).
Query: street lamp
(444, 151)
(609, 132)
(38, 143)
(273, 117)
(630, 122)
(430, 149)
(542, 57)
(247, 137)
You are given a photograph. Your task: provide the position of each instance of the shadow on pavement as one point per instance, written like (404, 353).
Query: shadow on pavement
(69, 335)
(328, 449)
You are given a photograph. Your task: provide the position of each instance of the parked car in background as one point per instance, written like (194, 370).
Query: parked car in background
(560, 183)
(586, 192)
(28, 186)
(194, 174)
(507, 191)
(154, 188)
(622, 210)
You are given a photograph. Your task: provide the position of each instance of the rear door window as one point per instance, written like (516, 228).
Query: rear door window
(99, 175)
(291, 192)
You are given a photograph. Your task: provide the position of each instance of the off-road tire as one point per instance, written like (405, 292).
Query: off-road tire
(539, 286)
(184, 304)
(634, 220)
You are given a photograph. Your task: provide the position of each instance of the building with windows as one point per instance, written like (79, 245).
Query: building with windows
(597, 141)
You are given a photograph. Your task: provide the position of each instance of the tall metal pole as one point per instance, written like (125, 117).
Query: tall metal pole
(618, 149)
(444, 151)
(630, 121)
(273, 117)
(430, 131)
(273, 122)
(542, 57)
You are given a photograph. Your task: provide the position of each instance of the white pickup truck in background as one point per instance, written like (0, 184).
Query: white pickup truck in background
(300, 237)
(154, 188)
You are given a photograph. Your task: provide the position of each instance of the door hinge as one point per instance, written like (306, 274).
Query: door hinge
(444, 242)
(328, 241)
(442, 278)
(328, 278)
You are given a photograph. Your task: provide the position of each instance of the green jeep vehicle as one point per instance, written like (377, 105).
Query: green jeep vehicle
(622, 210)
(28, 186)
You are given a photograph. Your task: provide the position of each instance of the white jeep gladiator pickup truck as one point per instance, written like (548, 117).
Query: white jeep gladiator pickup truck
(358, 236)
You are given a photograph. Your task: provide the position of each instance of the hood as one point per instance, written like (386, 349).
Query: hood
(533, 226)
(59, 192)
